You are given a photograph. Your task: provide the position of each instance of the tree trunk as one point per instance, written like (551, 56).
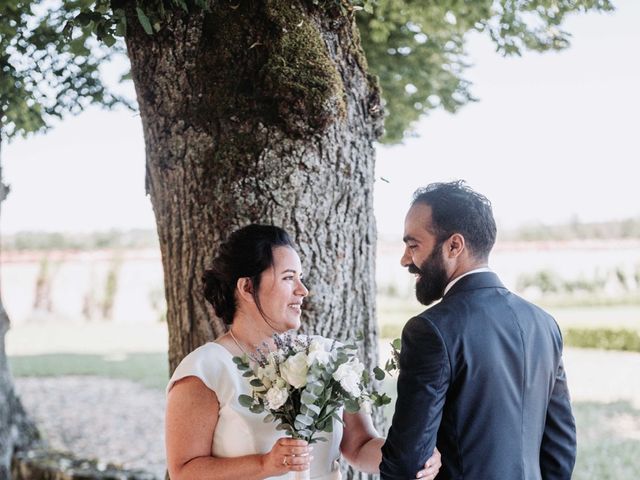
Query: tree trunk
(17, 431)
(261, 111)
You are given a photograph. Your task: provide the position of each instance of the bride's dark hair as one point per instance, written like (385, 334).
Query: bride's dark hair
(247, 252)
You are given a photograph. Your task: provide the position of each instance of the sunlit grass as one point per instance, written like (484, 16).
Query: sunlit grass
(149, 369)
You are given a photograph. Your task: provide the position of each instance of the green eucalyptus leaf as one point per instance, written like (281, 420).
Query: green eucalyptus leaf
(268, 418)
(328, 426)
(245, 400)
(304, 419)
(378, 373)
(351, 405)
(308, 398)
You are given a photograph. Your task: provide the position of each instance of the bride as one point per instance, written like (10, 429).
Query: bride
(255, 286)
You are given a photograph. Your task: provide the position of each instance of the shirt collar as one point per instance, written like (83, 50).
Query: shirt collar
(453, 282)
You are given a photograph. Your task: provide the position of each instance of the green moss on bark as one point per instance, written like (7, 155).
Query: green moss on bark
(298, 73)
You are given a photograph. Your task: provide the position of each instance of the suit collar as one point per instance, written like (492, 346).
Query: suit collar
(475, 281)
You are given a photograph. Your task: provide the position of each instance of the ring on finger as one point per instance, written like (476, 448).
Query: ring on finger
(284, 461)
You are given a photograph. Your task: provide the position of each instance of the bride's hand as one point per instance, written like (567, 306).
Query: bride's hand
(431, 467)
(287, 455)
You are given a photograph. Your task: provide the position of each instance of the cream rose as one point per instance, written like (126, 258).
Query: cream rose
(318, 352)
(267, 374)
(349, 375)
(276, 397)
(294, 370)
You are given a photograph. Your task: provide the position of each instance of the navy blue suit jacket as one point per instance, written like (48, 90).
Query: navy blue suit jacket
(481, 376)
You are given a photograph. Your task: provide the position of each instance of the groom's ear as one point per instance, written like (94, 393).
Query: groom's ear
(455, 245)
(244, 286)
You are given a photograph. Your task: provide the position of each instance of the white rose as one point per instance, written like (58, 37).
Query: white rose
(267, 374)
(276, 397)
(318, 352)
(349, 375)
(294, 370)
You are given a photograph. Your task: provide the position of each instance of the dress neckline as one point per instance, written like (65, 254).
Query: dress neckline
(223, 348)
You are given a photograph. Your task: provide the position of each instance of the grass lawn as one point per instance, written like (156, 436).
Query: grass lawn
(608, 441)
(608, 433)
(149, 369)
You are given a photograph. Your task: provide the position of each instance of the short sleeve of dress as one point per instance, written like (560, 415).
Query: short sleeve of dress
(210, 364)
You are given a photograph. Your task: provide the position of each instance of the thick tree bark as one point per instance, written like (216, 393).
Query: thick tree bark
(261, 111)
(17, 431)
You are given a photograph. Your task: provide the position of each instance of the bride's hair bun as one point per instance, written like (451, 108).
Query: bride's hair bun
(219, 295)
(246, 253)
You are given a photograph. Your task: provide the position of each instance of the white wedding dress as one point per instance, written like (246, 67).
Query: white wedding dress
(238, 431)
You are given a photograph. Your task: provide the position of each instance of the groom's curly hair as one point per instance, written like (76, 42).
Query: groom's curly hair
(457, 208)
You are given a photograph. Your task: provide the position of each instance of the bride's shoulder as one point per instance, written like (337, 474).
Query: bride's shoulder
(207, 351)
(210, 363)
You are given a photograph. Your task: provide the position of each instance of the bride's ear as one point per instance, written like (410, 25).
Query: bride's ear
(244, 287)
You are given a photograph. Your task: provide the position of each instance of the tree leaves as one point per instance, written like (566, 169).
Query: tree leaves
(416, 49)
(47, 69)
(144, 21)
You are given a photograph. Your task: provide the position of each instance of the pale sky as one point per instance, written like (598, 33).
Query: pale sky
(554, 136)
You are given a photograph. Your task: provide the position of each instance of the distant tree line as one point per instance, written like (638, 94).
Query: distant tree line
(111, 239)
(139, 238)
(576, 230)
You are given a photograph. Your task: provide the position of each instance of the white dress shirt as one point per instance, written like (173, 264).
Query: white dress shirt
(453, 282)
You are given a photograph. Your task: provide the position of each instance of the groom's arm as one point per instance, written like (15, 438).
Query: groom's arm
(422, 385)
(558, 449)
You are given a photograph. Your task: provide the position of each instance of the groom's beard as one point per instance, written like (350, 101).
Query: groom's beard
(433, 277)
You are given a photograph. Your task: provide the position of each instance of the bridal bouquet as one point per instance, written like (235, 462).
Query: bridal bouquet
(304, 382)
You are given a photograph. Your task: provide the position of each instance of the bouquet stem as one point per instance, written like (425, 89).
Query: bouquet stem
(304, 475)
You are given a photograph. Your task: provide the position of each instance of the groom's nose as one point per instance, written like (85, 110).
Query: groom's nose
(406, 259)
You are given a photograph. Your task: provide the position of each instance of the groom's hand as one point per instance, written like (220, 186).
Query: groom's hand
(431, 467)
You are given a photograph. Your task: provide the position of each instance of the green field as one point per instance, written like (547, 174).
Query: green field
(393, 313)
(148, 369)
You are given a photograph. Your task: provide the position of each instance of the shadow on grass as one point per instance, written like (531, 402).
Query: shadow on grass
(148, 369)
(608, 441)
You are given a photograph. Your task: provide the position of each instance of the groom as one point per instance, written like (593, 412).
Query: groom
(481, 372)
